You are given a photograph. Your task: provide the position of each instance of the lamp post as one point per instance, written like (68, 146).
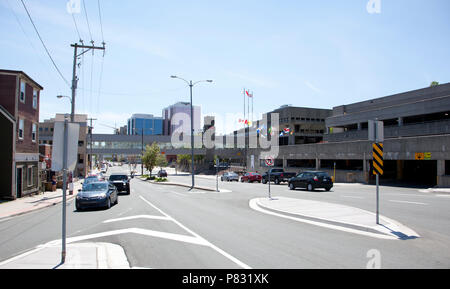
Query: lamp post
(192, 122)
(72, 111)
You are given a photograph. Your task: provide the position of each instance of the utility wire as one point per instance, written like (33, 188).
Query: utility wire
(43, 44)
(76, 27)
(100, 17)
(87, 21)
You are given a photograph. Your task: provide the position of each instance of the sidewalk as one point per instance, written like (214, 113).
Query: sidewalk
(78, 256)
(31, 203)
(334, 216)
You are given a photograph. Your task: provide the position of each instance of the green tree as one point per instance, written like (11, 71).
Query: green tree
(150, 157)
(161, 161)
(434, 83)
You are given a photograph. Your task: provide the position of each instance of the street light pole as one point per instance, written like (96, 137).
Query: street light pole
(192, 136)
(192, 122)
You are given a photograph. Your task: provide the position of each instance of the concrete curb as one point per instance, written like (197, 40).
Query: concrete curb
(376, 229)
(91, 255)
(179, 185)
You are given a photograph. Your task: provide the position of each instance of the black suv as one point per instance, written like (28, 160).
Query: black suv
(121, 181)
(311, 180)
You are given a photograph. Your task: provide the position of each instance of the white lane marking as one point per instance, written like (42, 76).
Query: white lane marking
(225, 254)
(407, 202)
(151, 233)
(254, 206)
(353, 197)
(440, 195)
(137, 217)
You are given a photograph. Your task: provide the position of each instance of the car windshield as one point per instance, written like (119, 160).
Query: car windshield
(118, 178)
(277, 171)
(233, 174)
(96, 187)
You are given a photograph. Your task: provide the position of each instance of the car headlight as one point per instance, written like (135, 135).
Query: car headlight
(102, 195)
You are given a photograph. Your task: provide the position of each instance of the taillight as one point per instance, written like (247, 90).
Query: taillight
(281, 175)
(316, 179)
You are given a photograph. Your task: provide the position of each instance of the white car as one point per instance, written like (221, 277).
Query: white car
(229, 177)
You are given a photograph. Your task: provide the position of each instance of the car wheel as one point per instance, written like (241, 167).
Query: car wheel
(277, 181)
(77, 206)
(291, 186)
(310, 187)
(264, 181)
(117, 200)
(327, 189)
(108, 203)
(242, 180)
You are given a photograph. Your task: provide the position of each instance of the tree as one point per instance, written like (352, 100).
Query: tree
(161, 161)
(150, 157)
(434, 83)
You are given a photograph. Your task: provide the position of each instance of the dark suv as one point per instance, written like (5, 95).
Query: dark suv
(311, 180)
(121, 181)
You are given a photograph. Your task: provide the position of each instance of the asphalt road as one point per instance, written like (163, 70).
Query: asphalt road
(163, 226)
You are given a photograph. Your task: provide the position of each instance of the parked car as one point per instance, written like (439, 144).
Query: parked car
(277, 176)
(162, 174)
(92, 178)
(121, 181)
(97, 194)
(251, 177)
(311, 180)
(229, 177)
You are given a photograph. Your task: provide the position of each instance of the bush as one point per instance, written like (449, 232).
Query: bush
(161, 179)
(151, 178)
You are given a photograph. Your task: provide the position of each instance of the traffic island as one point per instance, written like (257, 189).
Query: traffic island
(334, 216)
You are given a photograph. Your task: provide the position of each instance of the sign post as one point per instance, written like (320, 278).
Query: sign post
(376, 134)
(270, 163)
(65, 147)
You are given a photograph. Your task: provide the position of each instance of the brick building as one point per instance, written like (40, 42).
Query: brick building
(19, 97)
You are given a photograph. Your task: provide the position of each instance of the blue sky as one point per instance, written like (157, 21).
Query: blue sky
(305, 53)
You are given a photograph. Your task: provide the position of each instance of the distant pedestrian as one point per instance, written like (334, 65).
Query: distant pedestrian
(53, 183)
(70, 184)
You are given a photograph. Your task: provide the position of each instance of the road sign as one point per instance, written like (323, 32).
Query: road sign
(376, 130)
(269, 161)
(377, 158)
(58, 146)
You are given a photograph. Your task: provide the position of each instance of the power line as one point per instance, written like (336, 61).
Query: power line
(100, 17)
(76, 27)
(43, 44)
(87, 20)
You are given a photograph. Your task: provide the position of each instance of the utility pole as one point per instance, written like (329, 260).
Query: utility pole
(90, 137)
(85, 48)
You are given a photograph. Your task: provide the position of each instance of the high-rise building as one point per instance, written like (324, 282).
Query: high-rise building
(146, 124)
(182, 120)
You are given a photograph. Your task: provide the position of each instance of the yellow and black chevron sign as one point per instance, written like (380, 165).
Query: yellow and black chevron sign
(377, 158)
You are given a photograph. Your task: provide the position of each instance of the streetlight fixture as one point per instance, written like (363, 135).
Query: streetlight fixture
(191, 84)
(72, 112)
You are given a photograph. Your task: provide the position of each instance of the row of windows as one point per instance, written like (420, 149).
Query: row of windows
(22, 96)
(286, 119)
(21, 131)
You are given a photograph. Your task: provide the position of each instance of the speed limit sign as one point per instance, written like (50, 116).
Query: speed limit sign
(269, 161)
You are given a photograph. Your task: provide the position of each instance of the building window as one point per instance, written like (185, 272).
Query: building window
(30, 177)
(21, 126)
(33, 132)
(22, 91)
(34, 98)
